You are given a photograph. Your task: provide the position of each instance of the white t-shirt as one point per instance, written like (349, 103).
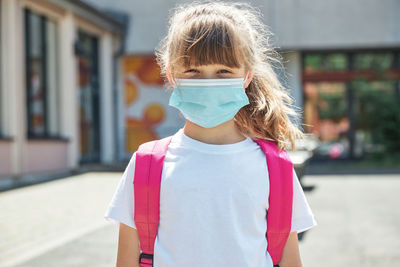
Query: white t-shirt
(213, 203)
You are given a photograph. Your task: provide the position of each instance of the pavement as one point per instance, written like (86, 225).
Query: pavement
(358, 220)
(60, 222)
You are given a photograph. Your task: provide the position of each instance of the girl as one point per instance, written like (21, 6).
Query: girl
(214, 183)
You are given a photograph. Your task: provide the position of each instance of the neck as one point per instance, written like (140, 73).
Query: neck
(225, 133)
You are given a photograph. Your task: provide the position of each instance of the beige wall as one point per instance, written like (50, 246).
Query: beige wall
(45, 156)
(5, 157)
(19, 155)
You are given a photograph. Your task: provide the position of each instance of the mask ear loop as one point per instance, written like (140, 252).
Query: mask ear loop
(247, 75)
(175, 84)
(245, 80)
(174, 81)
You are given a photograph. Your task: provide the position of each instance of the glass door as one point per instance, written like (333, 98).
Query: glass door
(326, 116)
(88, 80)
(351, 101)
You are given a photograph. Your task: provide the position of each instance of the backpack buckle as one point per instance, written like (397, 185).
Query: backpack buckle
(147, 259)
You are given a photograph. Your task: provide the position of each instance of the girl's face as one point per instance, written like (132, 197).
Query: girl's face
(212, 71)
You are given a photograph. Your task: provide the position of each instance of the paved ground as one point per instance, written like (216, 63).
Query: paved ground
(60, 223)
(359, 221)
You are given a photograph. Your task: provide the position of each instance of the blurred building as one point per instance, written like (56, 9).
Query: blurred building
(342, 60)
(58, 85)
(68, 95)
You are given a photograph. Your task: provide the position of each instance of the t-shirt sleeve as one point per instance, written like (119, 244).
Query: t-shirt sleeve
(121, 207)
(302, 216)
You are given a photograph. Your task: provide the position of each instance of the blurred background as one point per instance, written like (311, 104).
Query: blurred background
(80, 90)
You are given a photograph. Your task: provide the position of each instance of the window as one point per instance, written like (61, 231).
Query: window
(41, 39)
(373, 61)
(318, 62)
(346, 95)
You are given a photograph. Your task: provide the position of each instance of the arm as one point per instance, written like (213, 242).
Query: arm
(291, 253)
(128, 247)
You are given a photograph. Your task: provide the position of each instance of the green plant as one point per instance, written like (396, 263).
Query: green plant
(332, 106)
(379, 112)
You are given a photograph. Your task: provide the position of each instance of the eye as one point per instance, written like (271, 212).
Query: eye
(224, 71)
(191, 70)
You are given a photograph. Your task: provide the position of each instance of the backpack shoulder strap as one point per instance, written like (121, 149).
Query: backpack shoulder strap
(147, 180)
(279, 215)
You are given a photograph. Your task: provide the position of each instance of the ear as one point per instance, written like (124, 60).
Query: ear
(169, 75)
(249, 79)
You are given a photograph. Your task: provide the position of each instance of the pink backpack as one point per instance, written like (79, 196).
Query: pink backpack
(147, 181)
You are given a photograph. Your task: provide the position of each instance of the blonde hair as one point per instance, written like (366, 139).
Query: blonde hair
(233, 34)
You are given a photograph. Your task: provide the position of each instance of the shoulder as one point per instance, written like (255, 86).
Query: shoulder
(130, 168)
(149, 147)
(146, 146)
(270, 148)
(133, 158)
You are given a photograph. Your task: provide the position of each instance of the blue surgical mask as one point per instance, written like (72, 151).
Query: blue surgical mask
(209, 102)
